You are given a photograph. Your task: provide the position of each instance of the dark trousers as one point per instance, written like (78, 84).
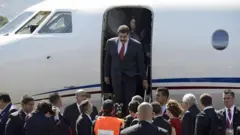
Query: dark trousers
(124, 89)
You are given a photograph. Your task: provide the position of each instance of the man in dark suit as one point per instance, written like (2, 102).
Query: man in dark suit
(144, 126)
(162, 96)
(16, 121)
(231, 113)
(189, 104)
(72, 112)
(40, 122)
(207, 121)
(158, 120)
(132, 107)
(7, 108)
(60, 121)
(84, 122)
(124, 61)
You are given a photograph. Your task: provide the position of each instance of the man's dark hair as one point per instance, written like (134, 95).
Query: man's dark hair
(5, 97)
(137, 98)
(123, 29)
(157, 109)
(108, 107)
(53, 98)
(206, 99)
(133, 106)
(164, 91)
(44, 107)
(84, 106)
(26, 99)
(228, 91)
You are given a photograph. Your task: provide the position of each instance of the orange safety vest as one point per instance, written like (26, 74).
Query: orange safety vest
(107, 125)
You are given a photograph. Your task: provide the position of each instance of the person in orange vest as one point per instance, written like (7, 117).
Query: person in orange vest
(108, 124)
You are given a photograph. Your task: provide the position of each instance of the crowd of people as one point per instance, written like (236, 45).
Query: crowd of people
(164, 116)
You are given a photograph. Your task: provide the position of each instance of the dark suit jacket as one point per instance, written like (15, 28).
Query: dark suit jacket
(134, 122)
(131, 65)
(71, 114)
(161, 122)
(15, 124)
(207, 123)
(238, 131)
(165, 116)
(84, 125)
(62, 125)
(128, 120)
(4, 117)
(188, 121)
(38, 124)
(236, 118)
(144, 128)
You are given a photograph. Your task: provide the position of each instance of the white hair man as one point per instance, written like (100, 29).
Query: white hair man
(72, 112)
(189, 104)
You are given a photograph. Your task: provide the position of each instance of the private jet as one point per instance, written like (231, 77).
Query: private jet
(59, 46)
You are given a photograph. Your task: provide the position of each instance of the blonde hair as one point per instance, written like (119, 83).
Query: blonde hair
(174, 107)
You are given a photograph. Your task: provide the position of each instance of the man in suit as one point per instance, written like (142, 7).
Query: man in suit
(144, 126)
(72, 112)
(84, 122)
(158, 120)
(16, 121)
(189, 104)
(7, 108)
(207, 122)
(124, 61)
(63, 126)
(132, 107)
(231, 113)
(40, 122)
(162, 96)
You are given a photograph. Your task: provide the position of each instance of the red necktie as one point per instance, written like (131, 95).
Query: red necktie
(122, 52)
(229, 118)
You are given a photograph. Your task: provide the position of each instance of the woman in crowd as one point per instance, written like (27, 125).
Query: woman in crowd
(174, 112)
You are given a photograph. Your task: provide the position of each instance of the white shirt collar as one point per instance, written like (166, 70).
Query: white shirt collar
(78, 106)
(208, 107)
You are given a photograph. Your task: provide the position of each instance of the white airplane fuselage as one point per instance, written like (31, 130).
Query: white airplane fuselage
(183, 57)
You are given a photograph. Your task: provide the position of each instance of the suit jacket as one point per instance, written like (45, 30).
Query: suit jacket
(188, 121)
(207, 123)
(128, 120)
(131, 65)
(38, 124)
(84, 125)
(4, 117)
(165, 116)
(161, 122)
(71, 114)
(144, 128)
(134, 122)
(236, 118)
(62, 125)
(15, 124)
(238, 131)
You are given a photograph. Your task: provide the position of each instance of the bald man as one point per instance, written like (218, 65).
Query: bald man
(72, 112)
(144, 126)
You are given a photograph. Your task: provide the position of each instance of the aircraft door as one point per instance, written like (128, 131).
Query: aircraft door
(143, 22)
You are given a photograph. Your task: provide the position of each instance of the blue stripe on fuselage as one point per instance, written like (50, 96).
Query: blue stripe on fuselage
(166, 80)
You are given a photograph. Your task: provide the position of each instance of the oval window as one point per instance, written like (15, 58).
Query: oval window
(220, 39)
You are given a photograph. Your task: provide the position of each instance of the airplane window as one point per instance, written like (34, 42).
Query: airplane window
(31, 25)
(12, 25)
(61, 22)
(220, 39)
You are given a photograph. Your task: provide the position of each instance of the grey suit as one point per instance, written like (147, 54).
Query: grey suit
(123, 72)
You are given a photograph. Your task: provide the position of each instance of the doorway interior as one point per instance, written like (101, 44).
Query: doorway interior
(117, 16)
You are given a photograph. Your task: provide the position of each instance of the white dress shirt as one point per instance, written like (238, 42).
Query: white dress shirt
(120, 46)
(78, 106)
(163, 109)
